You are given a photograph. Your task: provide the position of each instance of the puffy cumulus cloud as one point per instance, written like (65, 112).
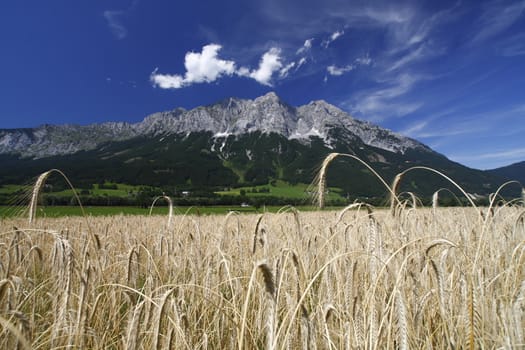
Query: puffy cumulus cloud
(203, 67)
(207, 67)
(166, 81)
(269, 64)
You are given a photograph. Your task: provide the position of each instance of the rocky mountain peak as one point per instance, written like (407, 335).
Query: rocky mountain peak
(270, 97)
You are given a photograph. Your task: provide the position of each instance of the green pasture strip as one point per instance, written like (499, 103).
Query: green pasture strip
(61, 211)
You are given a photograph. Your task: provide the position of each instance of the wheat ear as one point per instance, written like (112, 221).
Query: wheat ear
(393, 194)
(271, 297)
(321, 185)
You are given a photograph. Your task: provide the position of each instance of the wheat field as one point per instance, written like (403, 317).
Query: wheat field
(358, 278)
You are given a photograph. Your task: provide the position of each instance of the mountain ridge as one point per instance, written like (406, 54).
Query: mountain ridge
(232, 116)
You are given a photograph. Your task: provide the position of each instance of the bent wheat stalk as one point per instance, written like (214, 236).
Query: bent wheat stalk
(170, 203)
(40, 182)
(321, 177)
(397, 180)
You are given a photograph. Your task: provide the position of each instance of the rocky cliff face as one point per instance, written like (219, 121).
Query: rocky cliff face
(266, 114)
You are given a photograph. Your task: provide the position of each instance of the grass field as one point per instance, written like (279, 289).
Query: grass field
(283, 189)
(62, 211)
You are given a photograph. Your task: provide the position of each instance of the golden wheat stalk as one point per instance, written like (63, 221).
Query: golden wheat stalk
(393, 193)
(321, 186)
(272, 303)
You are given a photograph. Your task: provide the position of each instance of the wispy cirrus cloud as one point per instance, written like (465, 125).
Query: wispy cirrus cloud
(497, 16)
(384, 101)
(512, 46)
(491, 159)
(457, 121)
(114, 20)
(115, 23)
(418, 54)
(426, 129)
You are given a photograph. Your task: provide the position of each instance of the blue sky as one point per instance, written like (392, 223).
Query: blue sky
(449, 73)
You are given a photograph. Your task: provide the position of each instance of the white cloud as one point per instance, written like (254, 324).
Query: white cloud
(207, 67)
(306, 46)
(116, 26)
(301, 62)
(269, 64)
(166, 81)
(336, 71)
(360, 61)
(332, 38)
(286, 69)
(336, 35)
(203, 67)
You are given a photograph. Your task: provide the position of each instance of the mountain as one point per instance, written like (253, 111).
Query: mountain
(266, 114)
(230, 143)
(514, 171)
